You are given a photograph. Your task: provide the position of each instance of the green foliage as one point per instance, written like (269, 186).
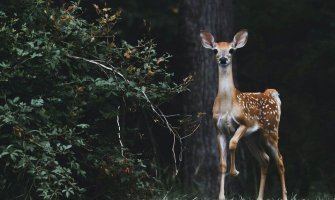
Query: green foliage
(64, 84)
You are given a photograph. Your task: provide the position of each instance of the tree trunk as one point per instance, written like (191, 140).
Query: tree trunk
(201, 151)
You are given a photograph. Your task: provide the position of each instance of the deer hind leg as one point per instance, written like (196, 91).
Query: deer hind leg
(232, 147)
(263, 159)
(273, 144)
(223, 162)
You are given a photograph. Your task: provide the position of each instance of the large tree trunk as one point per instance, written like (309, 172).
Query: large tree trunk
(201, 152)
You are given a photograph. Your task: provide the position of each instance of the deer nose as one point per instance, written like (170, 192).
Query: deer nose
(223, 60)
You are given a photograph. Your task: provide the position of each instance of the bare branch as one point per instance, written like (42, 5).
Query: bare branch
(119, 133)
(111, 68)
(175, 134)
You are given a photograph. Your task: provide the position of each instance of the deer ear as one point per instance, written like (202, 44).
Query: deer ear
(240, 39)
(207, 40)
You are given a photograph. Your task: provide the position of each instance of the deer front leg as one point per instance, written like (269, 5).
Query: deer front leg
(232, 147)
(223, 162)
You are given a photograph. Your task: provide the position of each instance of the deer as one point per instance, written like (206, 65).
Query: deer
(239, 114)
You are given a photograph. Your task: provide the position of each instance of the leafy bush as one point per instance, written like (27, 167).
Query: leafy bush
(67, 87)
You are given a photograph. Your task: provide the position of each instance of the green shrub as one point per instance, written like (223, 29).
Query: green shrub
(66, 86)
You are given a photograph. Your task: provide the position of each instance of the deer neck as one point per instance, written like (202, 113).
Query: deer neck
(226, 89)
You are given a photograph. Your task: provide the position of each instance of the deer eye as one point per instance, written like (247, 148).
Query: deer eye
(215, 51)
(231, 51)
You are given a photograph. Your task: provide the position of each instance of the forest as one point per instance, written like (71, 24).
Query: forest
(113, 99)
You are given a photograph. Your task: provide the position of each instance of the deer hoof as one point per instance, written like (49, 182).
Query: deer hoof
(234, 173)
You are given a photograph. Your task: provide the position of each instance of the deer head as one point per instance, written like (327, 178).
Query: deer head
(224, 50)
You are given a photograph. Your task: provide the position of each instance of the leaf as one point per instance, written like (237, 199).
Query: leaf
(37, 102)
(16, 99)
(83, 126)
(46, 145)
(4, 154)
(66, 147)
(4, 65)
(35, 55)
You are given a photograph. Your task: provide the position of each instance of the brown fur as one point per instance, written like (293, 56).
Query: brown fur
(222, 45)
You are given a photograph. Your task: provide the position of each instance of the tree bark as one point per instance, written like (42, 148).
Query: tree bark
(201, 151)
